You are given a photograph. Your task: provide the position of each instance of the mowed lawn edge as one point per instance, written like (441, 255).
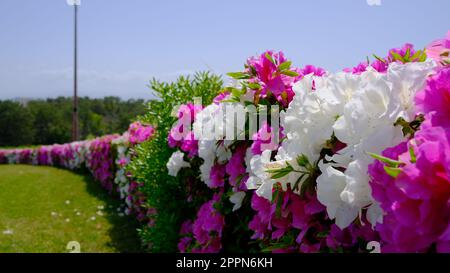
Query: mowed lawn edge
(43, 208)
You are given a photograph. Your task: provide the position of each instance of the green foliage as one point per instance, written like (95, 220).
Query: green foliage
(50, 121)
(166, 193)
(16, 127)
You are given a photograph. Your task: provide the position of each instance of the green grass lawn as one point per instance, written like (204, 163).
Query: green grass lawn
(44, 208)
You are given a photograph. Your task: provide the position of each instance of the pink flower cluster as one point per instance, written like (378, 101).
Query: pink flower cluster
(98, 156)
(416, 202)
(181, 134)
(100, 161)
(381, 64)
(235, 168)
(272, 77)
(439, 50)
(139, 133)
(305, 218)
(204, 234)
(265, 139)
(207, 228)
(129, 189)
(288, 212)
(137, 204)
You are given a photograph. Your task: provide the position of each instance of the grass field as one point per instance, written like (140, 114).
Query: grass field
(42, 209)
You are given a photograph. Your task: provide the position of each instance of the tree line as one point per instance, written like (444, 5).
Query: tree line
(49, 121)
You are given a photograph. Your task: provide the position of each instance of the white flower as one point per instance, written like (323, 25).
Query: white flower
(237, 198)
(367, 125)
(331, 183)
(258, 177)
(223, 154)
(308, 125)
(360, 110)
(407, 79)
(204, 125)
(308, 120)
(176, 162)
(374, 214)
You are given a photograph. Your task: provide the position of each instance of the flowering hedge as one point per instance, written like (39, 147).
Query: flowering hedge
(360, 155)
(106, 158)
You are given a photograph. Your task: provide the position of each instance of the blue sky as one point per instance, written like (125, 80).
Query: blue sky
(124, 43)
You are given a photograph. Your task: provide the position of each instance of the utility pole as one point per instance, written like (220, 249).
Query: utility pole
(75, 135)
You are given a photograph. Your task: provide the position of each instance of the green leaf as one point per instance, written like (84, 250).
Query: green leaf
(397, 57)
(416, 55)
(287, 168)
(302, 160)
(239, 75)
(407, 55)
(297, 183)
(279, 203)
(285, 66)
(390, 162)
(423, 57)
(412, 154)
(236, 92)
(230, 100)
(289, 73)
(281, 173)
(379, 58)
(254, 86)
(270, 58)
(394, 172)
(322, 234)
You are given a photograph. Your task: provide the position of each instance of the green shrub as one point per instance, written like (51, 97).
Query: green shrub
(166, 193)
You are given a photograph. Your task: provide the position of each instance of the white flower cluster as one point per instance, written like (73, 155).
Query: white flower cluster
(357, 110)
(176, 163)
(78, 151)
(122, 159)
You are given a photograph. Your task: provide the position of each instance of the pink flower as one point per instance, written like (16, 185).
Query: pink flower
(220, 97)
(288, 212)
(186, 227)
(217, 176)
(263, 66)
(316, 71)
(181, 135)
(439, 50)
(265, 139)
(266, 73)
(436, 98)
(190, 145)
(380, 66)
(139, 133)
(416, 202)
(208, 226)
(401, 51)
(3, 158)
(184, 244)
(361, 67)
(235, 168)
(260, 222)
